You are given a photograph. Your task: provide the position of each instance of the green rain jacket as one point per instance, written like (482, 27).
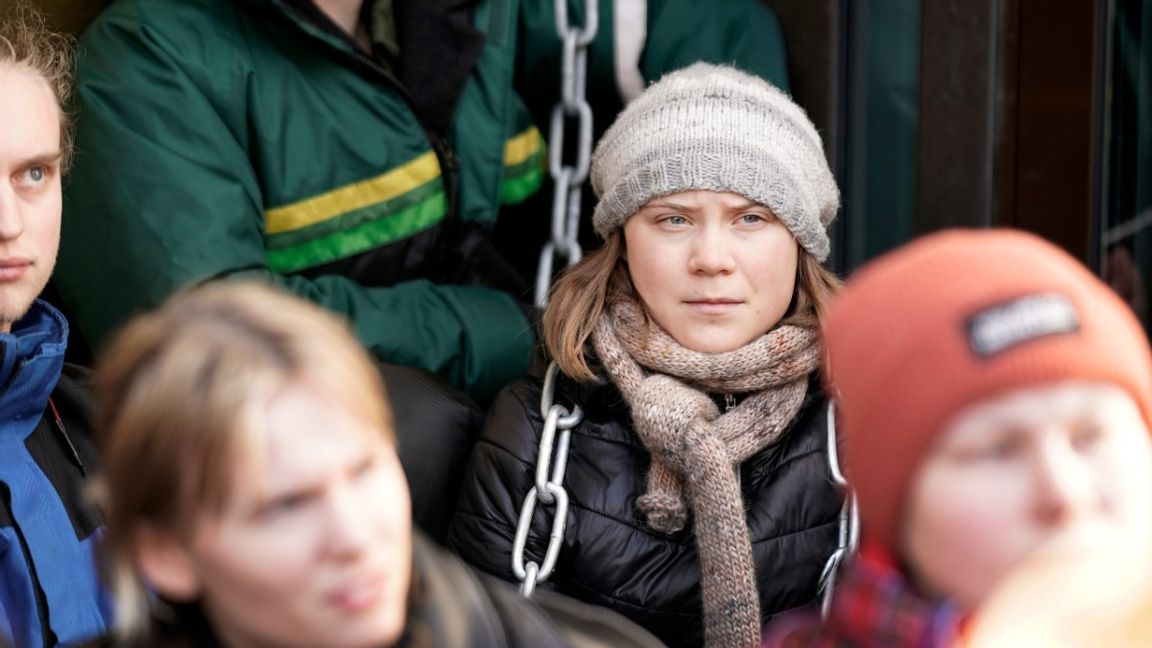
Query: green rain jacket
(245, 139)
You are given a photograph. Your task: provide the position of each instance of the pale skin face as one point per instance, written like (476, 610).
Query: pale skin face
(714, 270)
(1070, 460)
(30, 196)
(315, 545)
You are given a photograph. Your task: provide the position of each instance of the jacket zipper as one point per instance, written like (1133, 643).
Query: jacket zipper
(729, 402)
(67, 440)
(41, 599)
(449, 170)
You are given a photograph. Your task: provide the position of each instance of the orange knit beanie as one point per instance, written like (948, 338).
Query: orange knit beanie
(952, 319)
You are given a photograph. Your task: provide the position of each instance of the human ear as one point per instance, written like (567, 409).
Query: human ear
(165, 564)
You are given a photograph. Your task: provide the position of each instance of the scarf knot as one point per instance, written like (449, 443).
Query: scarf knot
(667, 421)
(696, 449)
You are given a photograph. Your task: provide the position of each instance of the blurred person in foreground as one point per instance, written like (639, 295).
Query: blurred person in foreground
(995, 400)
(49, 589)
(254, 496)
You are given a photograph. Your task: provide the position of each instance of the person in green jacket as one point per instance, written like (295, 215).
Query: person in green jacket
(354, 152)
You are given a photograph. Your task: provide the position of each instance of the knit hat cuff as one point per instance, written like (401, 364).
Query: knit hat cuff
(722, 167)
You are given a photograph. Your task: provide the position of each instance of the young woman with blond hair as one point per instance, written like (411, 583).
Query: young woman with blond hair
(254, 497)
(701, 500)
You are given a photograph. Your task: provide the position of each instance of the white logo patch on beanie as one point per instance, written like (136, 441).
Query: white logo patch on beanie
(1010, 324)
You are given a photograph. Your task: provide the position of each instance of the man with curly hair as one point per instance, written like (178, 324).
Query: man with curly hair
(49, 589)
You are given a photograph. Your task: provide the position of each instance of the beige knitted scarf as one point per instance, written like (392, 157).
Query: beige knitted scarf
(696, 450)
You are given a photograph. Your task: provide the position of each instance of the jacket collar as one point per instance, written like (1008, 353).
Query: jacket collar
(875, 605)
(439, 48)
(306, 16)
(31, 358)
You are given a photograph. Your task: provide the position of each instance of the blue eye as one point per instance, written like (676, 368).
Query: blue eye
(751, 218)
(675, 220)
(32, 177)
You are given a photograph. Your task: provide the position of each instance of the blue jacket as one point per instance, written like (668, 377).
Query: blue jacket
(49, 588)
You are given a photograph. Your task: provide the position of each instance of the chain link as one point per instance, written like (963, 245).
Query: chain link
(568, 180)
(551, 463)
(849, 532)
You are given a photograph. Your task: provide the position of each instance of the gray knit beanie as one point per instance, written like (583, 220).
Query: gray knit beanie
(717, 128)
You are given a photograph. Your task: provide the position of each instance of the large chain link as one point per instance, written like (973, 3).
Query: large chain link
(549, 487)
(568, 179)
(849, 536)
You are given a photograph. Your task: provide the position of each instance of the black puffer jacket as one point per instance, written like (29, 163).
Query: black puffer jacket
(609, 556)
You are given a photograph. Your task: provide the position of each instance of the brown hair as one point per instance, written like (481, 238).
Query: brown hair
(177, 396)
(600, 279)
(27, 42)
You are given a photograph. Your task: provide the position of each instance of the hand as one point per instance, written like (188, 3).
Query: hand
(1085, 587)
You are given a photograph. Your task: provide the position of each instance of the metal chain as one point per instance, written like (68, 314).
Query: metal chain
(568, 179)
(549, 487)
(849, 536)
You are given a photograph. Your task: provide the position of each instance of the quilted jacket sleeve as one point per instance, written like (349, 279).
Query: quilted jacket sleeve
(499, 475)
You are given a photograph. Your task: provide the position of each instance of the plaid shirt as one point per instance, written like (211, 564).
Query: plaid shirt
(873, 606)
